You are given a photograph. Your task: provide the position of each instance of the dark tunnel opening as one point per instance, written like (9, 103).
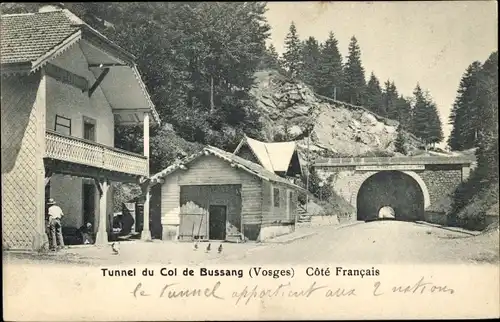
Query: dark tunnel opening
(394, 189)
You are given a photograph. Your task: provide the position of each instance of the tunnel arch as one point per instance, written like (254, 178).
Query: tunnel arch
(404, 191)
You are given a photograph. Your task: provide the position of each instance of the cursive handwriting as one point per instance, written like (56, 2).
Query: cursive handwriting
(420, 287)
(171, 291)
(286, 290)
(248, 293)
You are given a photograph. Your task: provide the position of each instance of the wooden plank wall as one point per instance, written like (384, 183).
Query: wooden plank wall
(210, 170)
(276, 215)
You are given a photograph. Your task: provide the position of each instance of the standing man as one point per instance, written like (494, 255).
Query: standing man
(55, 216)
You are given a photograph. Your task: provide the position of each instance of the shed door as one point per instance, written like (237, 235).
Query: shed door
(217, 222)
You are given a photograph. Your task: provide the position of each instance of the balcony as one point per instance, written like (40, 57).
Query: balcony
(87, 153)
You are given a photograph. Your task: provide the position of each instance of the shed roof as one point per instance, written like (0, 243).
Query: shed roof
(274, 156)
(31, 40)
(243, 164)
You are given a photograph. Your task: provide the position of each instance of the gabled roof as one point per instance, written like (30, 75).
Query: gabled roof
(28, 37)
(31, 40)
(275, 156)
(234, 160)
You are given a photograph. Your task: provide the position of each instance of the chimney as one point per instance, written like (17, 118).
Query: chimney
(54, 6)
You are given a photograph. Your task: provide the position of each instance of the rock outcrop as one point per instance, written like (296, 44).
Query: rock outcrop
(289, 108)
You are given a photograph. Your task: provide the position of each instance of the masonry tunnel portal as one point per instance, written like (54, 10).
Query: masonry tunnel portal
(393, 189)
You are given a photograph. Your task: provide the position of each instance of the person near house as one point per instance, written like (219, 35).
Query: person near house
(86, 232)
(55, 216)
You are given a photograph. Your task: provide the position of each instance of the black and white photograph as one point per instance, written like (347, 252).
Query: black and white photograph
(249, 160)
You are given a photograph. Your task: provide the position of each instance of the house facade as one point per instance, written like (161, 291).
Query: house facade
(65, 87)
(217, 195)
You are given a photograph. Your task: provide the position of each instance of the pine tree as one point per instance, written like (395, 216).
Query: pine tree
(310, 65)
(271, 59)
(464, 114)
(403, 115)
(355, 83)
(435, 129)
(487, 144)
(426, 124)
(292, 57)
(400, 143)
(420, 119)
(374, 98)
(330, 74)
(390, 99)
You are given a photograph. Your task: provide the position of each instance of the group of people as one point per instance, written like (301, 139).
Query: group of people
(54, 227)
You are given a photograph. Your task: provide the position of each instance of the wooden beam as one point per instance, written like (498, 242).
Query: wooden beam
(107, 65)
(98, 81)
(98, 186)
(130, 110)
(84, 171)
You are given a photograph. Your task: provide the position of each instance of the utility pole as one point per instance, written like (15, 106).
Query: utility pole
(335, 92)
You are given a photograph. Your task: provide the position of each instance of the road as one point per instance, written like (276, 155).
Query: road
(382, 242)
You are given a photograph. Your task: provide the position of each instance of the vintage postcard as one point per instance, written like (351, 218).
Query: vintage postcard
(171, 161)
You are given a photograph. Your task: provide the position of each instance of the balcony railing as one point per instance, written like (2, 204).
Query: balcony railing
(81, 151)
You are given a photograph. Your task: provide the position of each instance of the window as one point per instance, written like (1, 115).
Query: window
(276, 197)
(88, 129)
(63, 125)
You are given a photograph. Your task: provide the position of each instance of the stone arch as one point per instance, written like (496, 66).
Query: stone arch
(374, 179)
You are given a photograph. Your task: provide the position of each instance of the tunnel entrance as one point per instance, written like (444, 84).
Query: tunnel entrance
(390, 189)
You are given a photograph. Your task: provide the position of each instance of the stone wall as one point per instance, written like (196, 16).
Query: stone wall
(439, 180)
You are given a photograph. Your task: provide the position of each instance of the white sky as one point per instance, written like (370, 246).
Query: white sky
(408, 42)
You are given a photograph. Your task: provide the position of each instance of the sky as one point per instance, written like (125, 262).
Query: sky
(408, 42)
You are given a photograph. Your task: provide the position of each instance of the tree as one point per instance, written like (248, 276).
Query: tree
(426, 124)
(435, 129)
(310, 62)
(487, 144)
(354, 73)
(390, 98)
(400, 143)
(374, 98)
(271, 59)
(292, 57)
(479, 194)
(404, 113)
(330, 74)
(464, 114)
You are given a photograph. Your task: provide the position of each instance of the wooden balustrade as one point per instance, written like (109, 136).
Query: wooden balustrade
(77, 150)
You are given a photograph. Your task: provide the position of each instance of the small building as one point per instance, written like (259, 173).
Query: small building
(217, 195)
(65, 87)
(281, 158)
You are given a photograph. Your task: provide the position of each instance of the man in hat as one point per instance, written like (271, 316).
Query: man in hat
(55, 215)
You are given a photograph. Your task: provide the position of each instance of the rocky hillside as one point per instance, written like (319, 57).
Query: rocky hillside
(288, 108)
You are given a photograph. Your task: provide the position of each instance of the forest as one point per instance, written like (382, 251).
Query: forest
(198, 60)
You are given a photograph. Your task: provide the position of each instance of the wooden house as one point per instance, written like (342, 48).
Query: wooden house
(281, 158)
(218, 195)
(65, 87)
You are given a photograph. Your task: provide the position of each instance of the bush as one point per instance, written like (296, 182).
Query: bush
(476, 208)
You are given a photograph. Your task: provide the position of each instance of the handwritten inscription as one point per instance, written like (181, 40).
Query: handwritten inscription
(248, 293)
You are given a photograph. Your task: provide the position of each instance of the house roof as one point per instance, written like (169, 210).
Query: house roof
(274, 156)
(31, 40)
(236, 161)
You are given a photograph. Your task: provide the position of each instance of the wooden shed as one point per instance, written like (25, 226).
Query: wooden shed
(217, 195)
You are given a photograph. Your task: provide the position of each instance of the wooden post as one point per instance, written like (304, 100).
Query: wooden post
(102, 231)
(40, 237)
(146, 233)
